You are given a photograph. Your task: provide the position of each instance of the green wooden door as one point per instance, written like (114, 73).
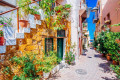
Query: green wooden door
(60, 48)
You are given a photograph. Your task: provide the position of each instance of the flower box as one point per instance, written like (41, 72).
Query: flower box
(37, 16)
(107, 22)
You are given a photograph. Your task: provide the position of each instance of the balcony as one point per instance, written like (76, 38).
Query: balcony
(95, 20)
(108, 22)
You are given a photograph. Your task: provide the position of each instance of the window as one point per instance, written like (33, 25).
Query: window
(48, 45)
(108, 16)
(61, 33)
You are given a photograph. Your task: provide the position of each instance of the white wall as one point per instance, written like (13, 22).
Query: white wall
(13, 2)
(74, 17)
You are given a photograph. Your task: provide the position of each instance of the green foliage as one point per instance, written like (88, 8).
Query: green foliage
(16, 78)
(67, 6)
(27, 66)
(95, 43)
(1, 33)
(24, 7)
(116, 69)
(69, 57)
(6, 70)
(107, 44)
(4, 21)
(115, 25)
(50, 60)
(62, 12)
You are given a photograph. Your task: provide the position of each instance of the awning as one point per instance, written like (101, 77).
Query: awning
(83, 14)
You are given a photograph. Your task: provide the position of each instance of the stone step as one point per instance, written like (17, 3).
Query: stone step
(9, 32)
(3, 49)
(11, 41)
(19, 35)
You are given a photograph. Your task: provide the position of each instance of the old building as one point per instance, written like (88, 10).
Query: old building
(106, 14)
(37, 38)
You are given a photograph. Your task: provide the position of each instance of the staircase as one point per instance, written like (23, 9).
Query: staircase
(15, 38)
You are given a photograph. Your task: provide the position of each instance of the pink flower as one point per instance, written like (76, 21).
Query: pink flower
(0, 24)
(5, 23)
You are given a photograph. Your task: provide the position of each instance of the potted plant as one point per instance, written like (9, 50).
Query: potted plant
(1, 38)
(108, 56)
(37, 15)
(24, 11)
(67, 6)
(46, 71)
(70, 58)
(58, 9)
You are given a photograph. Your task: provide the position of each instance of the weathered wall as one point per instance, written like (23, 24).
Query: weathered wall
(74, 18)
(113, 8)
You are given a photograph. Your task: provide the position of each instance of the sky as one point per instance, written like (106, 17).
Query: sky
(91, 26)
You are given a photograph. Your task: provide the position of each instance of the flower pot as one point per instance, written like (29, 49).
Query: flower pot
(37, 17)
(23, 23)
(98, 51)
(103, 55)
(108, 57)
(39, 73)
(115, 62)
(46, 75)
(94, 48)
(67, 8)
(2, 41)
(58, 11)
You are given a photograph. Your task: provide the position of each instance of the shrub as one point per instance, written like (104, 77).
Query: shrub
(69, 57)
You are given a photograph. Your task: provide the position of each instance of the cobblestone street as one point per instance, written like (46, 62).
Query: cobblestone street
(90, 66)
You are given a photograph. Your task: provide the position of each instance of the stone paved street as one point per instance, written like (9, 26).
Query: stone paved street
(90, 66)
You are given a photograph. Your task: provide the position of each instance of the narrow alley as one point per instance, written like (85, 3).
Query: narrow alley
(90, 66)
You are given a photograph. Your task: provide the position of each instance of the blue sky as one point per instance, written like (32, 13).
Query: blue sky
(91, 26)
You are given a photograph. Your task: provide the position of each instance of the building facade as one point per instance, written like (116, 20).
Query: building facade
(106, 14)
(37, 38)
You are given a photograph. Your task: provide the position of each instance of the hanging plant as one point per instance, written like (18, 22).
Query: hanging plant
(1, 38)
(62, 13)
(24, 10)
(4, 21)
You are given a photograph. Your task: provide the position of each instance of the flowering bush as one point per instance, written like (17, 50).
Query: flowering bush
(69, 57)
(116, 69)
(1, 33)
(5, 21)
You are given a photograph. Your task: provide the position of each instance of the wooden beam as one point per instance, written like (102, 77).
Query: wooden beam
(7, 4)
(17, 8)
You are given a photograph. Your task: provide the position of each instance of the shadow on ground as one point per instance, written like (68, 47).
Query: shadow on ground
(106, 78)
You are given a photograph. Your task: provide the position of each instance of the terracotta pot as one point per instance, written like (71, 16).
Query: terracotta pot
(58, 11)
(23, 23)
(103, 55)
(39, 73)
(108, 57)
(68, 8)
(2, 41)
(94, 48)
(37, 17)
(115, 62)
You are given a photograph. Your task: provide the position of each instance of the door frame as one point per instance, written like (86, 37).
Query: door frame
(45, 44)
